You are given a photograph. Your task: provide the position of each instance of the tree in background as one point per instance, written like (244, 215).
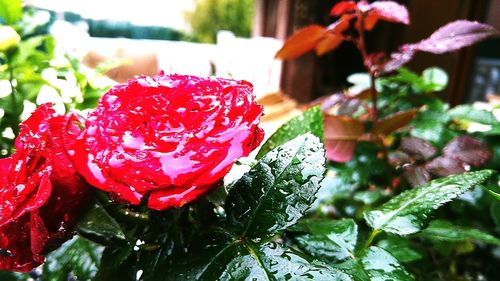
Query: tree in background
(210, 16)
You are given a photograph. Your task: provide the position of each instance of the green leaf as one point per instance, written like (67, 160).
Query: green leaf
(79, 257)
(435, 79)
(400, 248)
(14, 276)
(11, 11)
(333, 240)
(380, 265)
(468, 112)
(117, 264)
(99, 226)
(441, 230)
(407, 213)
(278, 190)
(495, 194)
(284, 264)
(311, 121)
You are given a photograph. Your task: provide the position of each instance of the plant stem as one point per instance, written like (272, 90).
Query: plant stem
(13, 99)
(373, 75)
(374, 234)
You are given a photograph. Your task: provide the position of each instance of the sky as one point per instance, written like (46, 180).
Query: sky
(168, 13)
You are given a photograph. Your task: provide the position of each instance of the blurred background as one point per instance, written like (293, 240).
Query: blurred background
(239, 38)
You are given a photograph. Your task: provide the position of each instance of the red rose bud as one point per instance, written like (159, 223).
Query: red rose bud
(172, 137)
(40, 191)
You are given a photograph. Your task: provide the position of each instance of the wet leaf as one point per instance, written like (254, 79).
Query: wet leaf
(380, 265)
(441, 230)
(394, 122)
(408, 212)
(78, 257)
(400, 248)
(99, 226)
(284, 264)
(301, 42)
(311, 121)
(333, 240)
(454, 36)
(341, 136)
(278, 190)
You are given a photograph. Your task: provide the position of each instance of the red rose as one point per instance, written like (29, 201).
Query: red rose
(40, 191)
(171, 137)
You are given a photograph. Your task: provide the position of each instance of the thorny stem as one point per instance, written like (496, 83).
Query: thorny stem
(373, 75)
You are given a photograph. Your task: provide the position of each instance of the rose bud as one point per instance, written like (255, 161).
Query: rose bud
(40, 191)
(170, 138)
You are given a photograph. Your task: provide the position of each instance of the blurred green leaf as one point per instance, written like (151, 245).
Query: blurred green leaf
(442, 230)
(408, 212)
(469, 113)
(435, 79)
(11, 11)
(311, 121)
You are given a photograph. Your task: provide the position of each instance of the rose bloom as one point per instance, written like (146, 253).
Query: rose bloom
(168, 138)
(40, 191)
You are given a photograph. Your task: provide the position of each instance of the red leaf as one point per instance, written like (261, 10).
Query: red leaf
(398, 59)
(444, 166)
(419, 148)
(341, 136)
(329, 43)
(388, 11)
(301, 42)
(343, 7)
(416, 175)
(469, 150)
(394, 122)
(454, 36)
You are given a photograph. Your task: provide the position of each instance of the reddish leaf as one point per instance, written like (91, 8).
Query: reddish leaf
(301, 42)
(419, 148)
(454, 36)
(398, 59)
(416, 175)
(388, 11)
(341, 136)
(328, 43)
(398, 158)
(394, 122)
(469, 150)
(444, 166)
(343, 7)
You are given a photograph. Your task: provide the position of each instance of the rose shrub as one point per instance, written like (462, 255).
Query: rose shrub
(170, 137)
(40, 192)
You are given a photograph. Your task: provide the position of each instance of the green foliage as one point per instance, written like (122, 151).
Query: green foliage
(36, 70)
(10, 11)
(408, 212)
(77, 257)
(309, 121)
(278, 189)
(210, 16)
(441, 230)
